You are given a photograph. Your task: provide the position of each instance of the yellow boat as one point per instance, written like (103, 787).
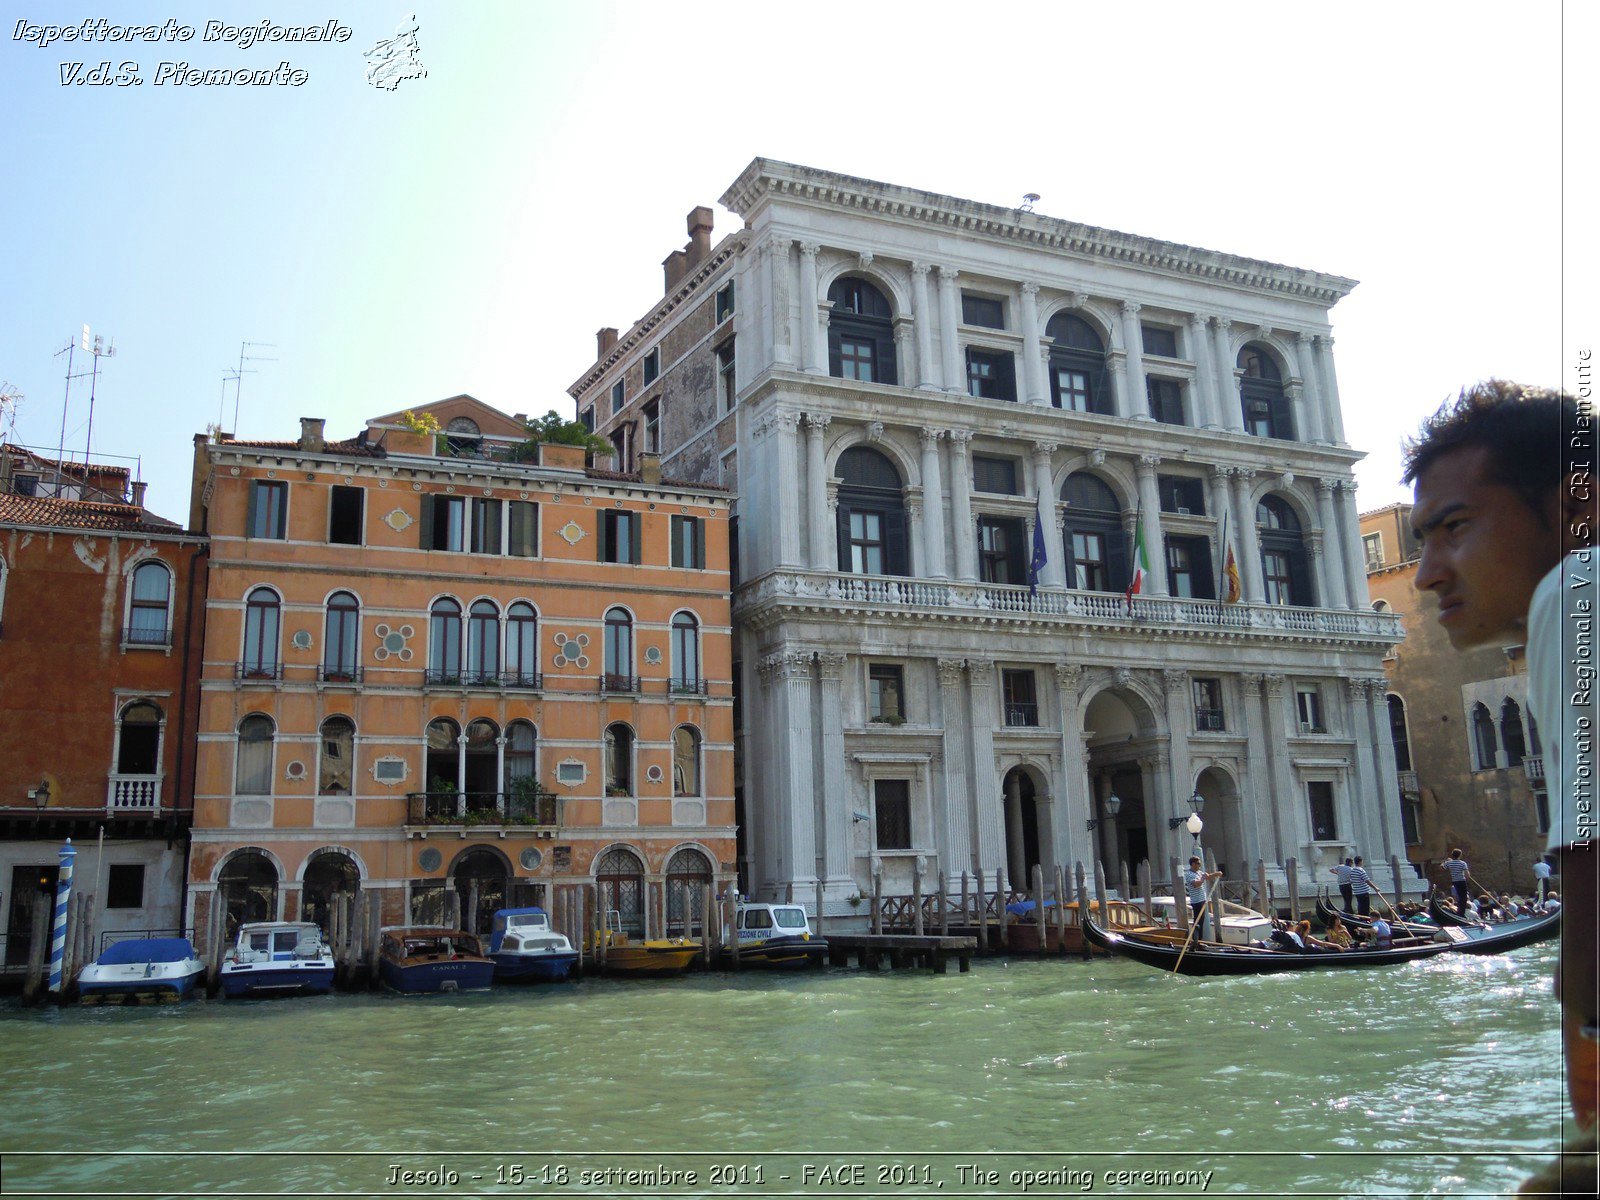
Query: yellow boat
(621, 954)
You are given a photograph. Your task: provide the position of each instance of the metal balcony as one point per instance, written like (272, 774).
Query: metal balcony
(483, 808)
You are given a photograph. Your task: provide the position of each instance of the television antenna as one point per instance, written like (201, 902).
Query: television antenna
(10, 399)
(237, 374)
(100, 348)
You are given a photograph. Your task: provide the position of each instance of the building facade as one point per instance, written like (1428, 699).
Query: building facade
(100, 610)
(1471, 771)
(915, 399)
(433, 669)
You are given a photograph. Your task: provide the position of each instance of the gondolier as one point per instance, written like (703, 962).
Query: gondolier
(1361, 885)
(1346, 892)
(1456, 868)
(1541, 878)
(1195, 880)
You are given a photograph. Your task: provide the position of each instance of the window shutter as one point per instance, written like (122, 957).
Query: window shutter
(1007, 375)
(835, 359)
(1117, 552)
(1017, 553)
(699, 563)
(255, 505)
(636, 542)
(1304, 596)
(894, 543)
(1282, 421)
(425, 525)
(843, 537)
(1201, 571)
(604, 536)
(888, 371)
(1069, 564)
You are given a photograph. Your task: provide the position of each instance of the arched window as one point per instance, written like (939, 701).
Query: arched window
(336, 770)
(444, 641)
(619, 760)
(521, 754)
(522, 645)
(1077, 366)
(685, 653)
(1483, 742)
(1285, 573)
(1096, 547)
(442, 768)
(1511, 733)
(618, 652)
(1266, 408)
(1400, 738)
(248, 889)
(260, 635)
(150, 595)
(482, 754)
(139, 740)
(688, 875)
(872, 515)
(620, 874)
(860, 333)
(341, 638)
(253, 770)
(686, 761)
(483, 641)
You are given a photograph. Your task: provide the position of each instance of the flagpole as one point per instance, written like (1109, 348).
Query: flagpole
(1222, 560)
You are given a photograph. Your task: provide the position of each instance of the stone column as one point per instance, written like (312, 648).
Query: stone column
(1221, 504)
(786, 422)
(989, 821)
(781, 270)
(1228, 402)
(834, 795)
(1150, 504)
(1016, 867)
(904, 355)
(1258, 800)
(963, 529)
(955, 375)
(933, 561)
(796, 849)
(924, 318)
(1075, 804)
(1032, 376)
(1335, 592)
(916, 539)
(812, 359)
(1289, 805)
(1329, 383)
(823, 548)
(1386, 816)
(1350, 539)
(1133, 346)
(1244, 520)
(1205, 391)
(1305, 361)
(1361, 823)
(958, 801)
(1116, 374)
(1163, 842)
(1180, 721)
(1054, 572)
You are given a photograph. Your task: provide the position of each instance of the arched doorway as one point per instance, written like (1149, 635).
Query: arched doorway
(247, 888)
(1120, 728)
(480, 876)
(329, 875)
(1022, 827)
(1223, 833)
(688, 873)
(620, 874)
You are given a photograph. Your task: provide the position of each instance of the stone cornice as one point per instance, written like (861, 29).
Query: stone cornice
(769, 177)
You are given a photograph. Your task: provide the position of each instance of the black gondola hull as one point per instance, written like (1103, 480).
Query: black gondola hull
(1210, 959)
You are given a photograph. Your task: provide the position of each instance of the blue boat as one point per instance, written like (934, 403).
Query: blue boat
(419, 958)
(524, 946)
(278, 958)
(164, 967)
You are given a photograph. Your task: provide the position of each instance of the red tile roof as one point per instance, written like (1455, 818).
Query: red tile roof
(602, 474)
(50, 513)
(354, 447)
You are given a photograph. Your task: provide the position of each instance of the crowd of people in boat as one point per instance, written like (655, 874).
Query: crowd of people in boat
(1377, 933)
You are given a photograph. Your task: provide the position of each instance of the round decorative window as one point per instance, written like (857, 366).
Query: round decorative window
(430, 860)
(295, 770)
(530, 859)
(654, 774)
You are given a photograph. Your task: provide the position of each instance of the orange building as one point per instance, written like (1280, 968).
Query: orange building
(99, 653)
(431, 668)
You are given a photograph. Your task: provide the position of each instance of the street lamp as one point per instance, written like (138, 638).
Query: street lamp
(1113, 805)
(1196, 803)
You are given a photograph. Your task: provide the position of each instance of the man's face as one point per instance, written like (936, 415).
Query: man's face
(1484, 549)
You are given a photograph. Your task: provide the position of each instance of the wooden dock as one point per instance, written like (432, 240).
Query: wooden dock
(901, 949)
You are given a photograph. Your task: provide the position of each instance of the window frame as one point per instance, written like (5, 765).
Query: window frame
(884, 679)
(347, 493)
(892, 819)
(132, 636)
(685, 638)
(267, 768)
(446, 639)
(999, 381)
(269, 523)
(335, 719)
(1019, 697)
(650, 366)
(1210, 714)
(688, 543)
(1310, 712)
(1321, 795)
(119, 889)
(345, 666)
(725, 302)
(258, 601)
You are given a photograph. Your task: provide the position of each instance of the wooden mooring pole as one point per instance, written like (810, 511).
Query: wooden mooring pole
(1263, 897)
(983, 912)
(916, 895)
(1038, 908)
(1292, 869)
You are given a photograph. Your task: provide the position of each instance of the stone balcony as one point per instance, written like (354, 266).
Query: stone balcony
(134, 794)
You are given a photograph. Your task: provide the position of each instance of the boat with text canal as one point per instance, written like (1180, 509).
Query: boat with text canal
(774, 935)
(421, 958)
(159, 968)
(525, 946)
(1166, 950)
(277, 958)
(618, 953)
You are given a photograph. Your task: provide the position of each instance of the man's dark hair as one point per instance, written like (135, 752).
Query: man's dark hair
(1528, 432)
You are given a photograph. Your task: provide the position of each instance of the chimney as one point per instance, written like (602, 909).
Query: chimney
(603, 341)
(699, 222)
(650, 468)
(675, 266)
(139, 486)
(311, 433)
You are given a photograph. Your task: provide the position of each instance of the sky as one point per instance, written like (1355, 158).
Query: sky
(470, 230)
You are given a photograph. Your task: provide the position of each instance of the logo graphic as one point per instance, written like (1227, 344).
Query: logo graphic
(393, 59)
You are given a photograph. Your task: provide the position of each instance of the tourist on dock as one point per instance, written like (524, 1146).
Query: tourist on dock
(1504, 512)
(1195, 882)
(1361, 885)
(1342, 873)
(1336, 934)
(1541, 877)
(1455, 867)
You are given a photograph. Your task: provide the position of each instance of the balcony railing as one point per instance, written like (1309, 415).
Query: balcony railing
(1208, 719)
(1022, 714)
(338, 674)
(619, 683)
(687, 687)
(134, 793)
(523, 681)
(483, 680)
(155, 639)
(258, 672)
(483, 808)
(1534, 767)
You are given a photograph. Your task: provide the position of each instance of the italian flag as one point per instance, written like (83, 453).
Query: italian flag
(1141, 561)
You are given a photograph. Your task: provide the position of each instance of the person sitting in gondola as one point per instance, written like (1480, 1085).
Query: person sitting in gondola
(1382, 934)
(1336, 934)
(1314, 945)
(1285, 938)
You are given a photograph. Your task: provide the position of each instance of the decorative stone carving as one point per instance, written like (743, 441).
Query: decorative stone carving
(1355, 688)
(816, 423)
(875, 431)
(1045, 449)
(1079, 299)
(1287, 478)
(1097, 457)
(1274, 685)
(864, 259)
(1067, 676)
(1130, 309)
(959, 439)
(831, 667)
(1124, 677)
(929, 437)
(1251, 682)
(950, 671)
(1174, 681)
(1029, 288)
(787, 419)
(920, 268)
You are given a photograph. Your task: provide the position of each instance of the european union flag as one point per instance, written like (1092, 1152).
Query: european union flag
(1036, 563)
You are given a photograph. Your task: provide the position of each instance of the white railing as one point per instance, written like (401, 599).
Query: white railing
(134, 792)
(1534, 767)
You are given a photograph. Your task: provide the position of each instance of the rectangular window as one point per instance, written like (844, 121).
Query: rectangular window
(727, 393)
(344, 515)
(1258, 418)
(995, 475)
(866, 543)
(1072, 389)
(855, 358)
(1166, 400)
(1208, 704)
(725, 303)
(1000, 541)
(444, 524)
(886, 693)
(1159, 341)
(1372, 549)
(522, 534)
(1089, 562)
(269, 502)
(25, 485)
(618, 397)
(1189, 572)
(991, 375)
(486, 527)
(689, 543)
(1308, 701)
(125, 885)
(619, 537)
(586, 419)
(652, 427)
(1021, 700)
(892, 813)
(1319, 793)
(652, 365)
(1276, 579)
(982, 311)
(1184, 497)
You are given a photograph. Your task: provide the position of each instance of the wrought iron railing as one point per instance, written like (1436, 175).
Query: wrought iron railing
(526, 681)
(338, 674)
(156, 639)
(1208, 719)
(129, 793)
(687, 687)
(619, 683)
(1022, 713)
(483, 808)
(258, 672)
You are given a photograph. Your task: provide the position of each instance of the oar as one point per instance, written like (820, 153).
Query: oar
(1195, 924)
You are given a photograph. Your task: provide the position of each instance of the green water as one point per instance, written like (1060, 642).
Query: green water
(1440, 1076)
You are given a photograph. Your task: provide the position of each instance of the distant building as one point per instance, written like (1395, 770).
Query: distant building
(1470, 770)
(899, 386)
(430, 669)
(99, 653)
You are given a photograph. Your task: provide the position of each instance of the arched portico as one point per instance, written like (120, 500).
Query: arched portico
(1121, 732)
(1223, 834)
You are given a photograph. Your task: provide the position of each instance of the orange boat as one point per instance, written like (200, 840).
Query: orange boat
(619, 954)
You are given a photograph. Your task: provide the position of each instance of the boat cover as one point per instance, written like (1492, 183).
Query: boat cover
(1019, 908)
(146, 950)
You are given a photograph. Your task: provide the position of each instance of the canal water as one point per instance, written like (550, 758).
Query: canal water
(1436, 1076)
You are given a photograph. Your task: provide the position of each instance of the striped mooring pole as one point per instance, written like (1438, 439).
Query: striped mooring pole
(58, 927)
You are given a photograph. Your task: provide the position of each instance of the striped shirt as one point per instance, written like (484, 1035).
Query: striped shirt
(1360, 881)
(1195, 883)
(1458, 869)
(1342, 874)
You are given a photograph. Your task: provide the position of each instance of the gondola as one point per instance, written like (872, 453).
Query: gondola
(1449, 916)
(1509, 935)
(1357, 921)
(1166, 953)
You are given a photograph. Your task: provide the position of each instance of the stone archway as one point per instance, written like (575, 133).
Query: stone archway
(1223, 833)
(1121, 732)
(248, 888)
(329, 875)
(1022, 792)
(480, 876)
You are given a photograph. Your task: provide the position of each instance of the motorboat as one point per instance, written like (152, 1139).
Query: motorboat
(164, 968)
(525, 946)
(774, 935)
(618, 953)
(277, 958)
(426, 958)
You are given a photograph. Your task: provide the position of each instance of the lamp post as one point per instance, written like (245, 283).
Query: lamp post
(1197, 804)
(1113, 805)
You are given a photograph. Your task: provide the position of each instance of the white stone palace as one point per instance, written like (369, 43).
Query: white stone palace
(899, 386)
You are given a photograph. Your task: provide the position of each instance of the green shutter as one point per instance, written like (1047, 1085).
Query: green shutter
(255, 503)
(699, 544)
(604, 535)
(636, 542)
(426, 523)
